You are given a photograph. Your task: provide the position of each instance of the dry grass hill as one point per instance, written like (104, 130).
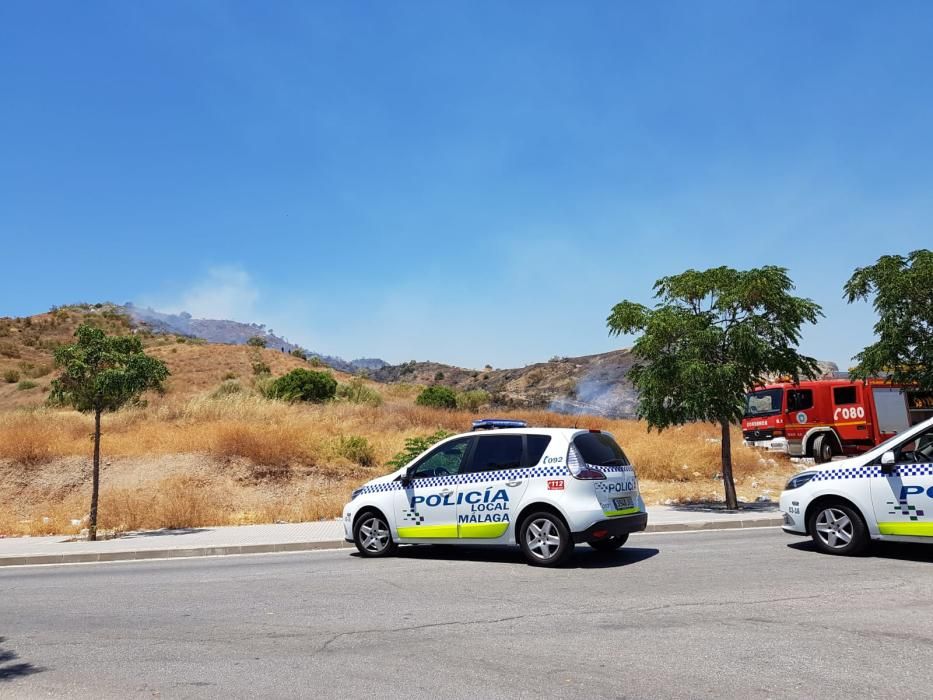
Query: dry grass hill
(212, 450)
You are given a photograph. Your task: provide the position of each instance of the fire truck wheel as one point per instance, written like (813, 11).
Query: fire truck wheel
(822, 449)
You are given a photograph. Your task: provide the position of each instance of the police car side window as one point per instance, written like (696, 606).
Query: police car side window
(497, 452)
(917, 451)
(444, 461)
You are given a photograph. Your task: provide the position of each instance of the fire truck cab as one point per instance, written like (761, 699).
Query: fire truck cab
(830, 417)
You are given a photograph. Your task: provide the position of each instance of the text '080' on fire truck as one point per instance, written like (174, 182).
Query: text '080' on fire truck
(544, 489)
(828, 418)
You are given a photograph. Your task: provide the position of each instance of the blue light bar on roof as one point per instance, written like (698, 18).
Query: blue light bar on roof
(494, 423)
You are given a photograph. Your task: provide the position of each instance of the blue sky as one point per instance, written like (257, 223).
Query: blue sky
(470, 182)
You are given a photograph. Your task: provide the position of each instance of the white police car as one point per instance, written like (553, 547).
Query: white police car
(542, 488)
(883, 494)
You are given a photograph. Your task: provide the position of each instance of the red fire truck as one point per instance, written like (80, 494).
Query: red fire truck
(828, 417)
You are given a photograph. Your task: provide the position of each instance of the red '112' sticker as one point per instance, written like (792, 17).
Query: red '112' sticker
(555, 485)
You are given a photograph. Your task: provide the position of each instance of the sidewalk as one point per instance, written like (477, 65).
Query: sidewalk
(293, 537)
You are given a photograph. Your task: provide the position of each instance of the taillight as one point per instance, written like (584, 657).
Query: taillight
(580, 469)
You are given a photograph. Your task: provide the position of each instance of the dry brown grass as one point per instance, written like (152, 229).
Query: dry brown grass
(254, 460)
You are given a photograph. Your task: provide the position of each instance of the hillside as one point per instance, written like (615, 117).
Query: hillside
(232, 333)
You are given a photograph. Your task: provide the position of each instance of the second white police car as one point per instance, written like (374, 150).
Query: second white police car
(883, 494)
(544, 489)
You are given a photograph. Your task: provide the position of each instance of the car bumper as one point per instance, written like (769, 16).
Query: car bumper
(622, 525)
(793, 512)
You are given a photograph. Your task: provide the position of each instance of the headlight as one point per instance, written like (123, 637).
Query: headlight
(356, 492)
(797, 481)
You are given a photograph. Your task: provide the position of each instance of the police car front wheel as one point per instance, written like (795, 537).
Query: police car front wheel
(545, 540)
(372, 537)
(836, 528)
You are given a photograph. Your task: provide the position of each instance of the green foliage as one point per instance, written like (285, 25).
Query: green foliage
(713, 335)
(438, 397)
(315, 361)
(257, 341)
(304, 385)
(103, 373)
(414, 447)
(299, 353)
(10, 376)
(472, 400)
(903, 298)
(438, 376)
(356, 391)
(357, 449)
(25, 385)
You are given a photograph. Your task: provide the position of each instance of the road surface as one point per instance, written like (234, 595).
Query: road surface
(749, 614)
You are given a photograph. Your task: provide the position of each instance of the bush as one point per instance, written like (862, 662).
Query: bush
(299, 353)
(438, 376)
(227, 388)
(438, 397)
(261, 369)
(357, 449)
(25, 385)
(257, 341)
(11, 376)
(304, 385)
(356, 391)
(414, 447)
(315, 362)
(9, 350)
(472, 400)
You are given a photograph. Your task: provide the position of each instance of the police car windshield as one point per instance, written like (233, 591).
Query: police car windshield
(600, 450)
(766, 402)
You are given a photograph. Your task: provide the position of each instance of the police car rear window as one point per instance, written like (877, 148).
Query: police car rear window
(537, 444)
(600, 449)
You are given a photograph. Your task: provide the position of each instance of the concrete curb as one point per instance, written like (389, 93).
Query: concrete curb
(227, 550)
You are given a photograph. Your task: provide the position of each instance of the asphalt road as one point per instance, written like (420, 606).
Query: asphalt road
(713, 614)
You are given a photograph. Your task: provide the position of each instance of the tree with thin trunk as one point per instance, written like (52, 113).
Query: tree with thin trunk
(712, 336)
(103, 373)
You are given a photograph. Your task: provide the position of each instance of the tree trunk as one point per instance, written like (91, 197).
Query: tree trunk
(95, 480)
(732, 502)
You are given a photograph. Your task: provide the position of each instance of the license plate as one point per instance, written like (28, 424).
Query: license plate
(622, 503)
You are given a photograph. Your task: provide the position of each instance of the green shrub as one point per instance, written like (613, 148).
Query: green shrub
(356, 391)
(472, 400)
(226, 388)
(315, 362)
(438, 376)
(260, 368)
(257, 341)
(357, 449)
(26, 384)
(437, 396)
(299, 353)
(414, 447)
(11, 376)
(304, 385)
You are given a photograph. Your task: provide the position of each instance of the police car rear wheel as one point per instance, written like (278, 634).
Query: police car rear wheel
(372, 537)
(608, 544)
(545, 540)
(837, 529)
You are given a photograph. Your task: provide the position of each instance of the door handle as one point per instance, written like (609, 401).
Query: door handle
(445, 492)
(513, 483)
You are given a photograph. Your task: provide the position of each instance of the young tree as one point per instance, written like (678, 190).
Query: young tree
(903, 291)
(103, 373)
(712, 336)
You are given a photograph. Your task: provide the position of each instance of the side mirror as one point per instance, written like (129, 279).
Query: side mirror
(887, 461)
(406, 478)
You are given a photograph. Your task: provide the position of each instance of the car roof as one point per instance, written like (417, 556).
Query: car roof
(567, 433)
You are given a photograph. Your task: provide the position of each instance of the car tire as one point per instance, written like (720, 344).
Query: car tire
(372, 536)
(545, 540)
(838, 528)
(609, 544)
(822, 449)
